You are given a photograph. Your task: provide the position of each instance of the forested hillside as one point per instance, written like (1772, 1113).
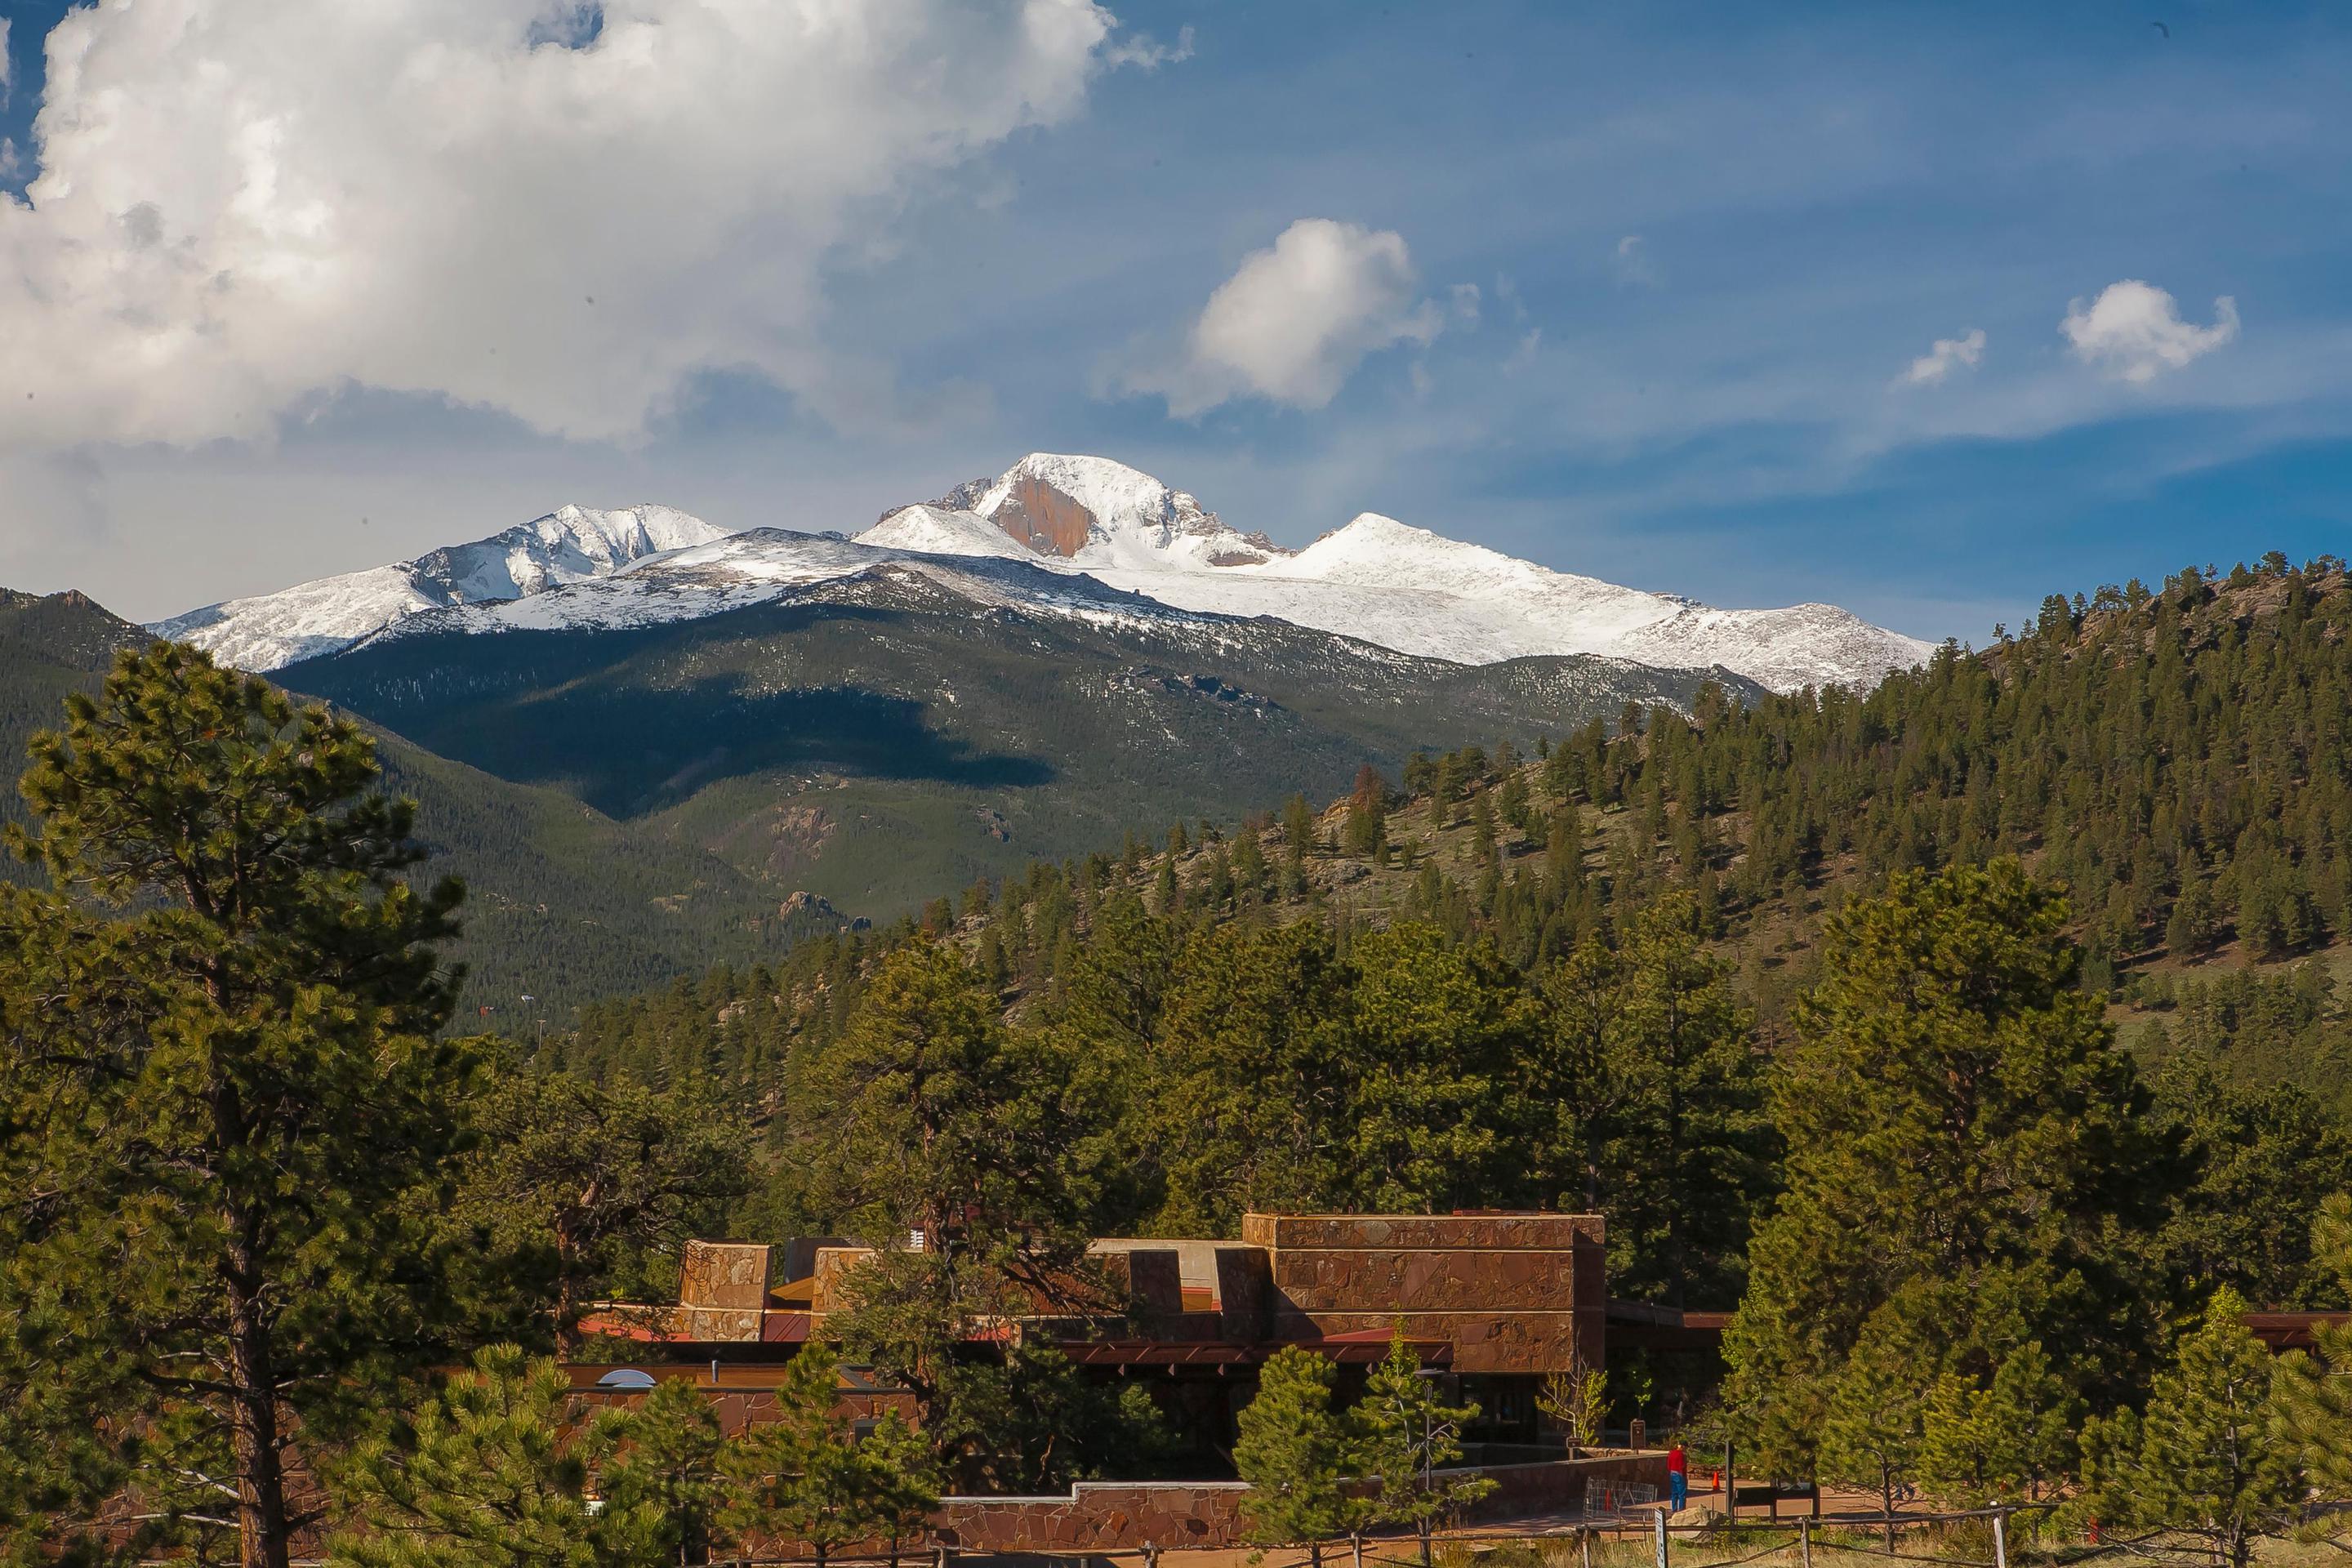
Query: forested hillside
(2181, 762)
(1621, 921)
(875, 739)
(565, 903)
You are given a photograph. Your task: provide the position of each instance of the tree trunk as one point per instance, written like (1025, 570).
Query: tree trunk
(1425, 1542)
(261, 1521)
(1887, 1499)
(567, 1297)
(255, 1441)
(1315, 1554)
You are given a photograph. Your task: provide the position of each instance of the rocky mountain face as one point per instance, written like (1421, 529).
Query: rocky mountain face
(1093, 512)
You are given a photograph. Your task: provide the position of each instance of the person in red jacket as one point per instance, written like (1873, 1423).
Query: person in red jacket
(1677, 1476)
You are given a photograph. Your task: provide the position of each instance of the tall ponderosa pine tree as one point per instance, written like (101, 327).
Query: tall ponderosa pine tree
(1958, 1124)
(1668, 1118)
(223, 1108)
(585, 1179)
(1288, 1076)
(947, 1152)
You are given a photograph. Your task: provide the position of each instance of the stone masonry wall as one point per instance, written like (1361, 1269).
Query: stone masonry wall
(724, 1275)
(1111, 1516)
(1513, 1293)
(1536, 1232)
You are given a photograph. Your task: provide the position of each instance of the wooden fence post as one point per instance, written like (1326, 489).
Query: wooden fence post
(2001, 1538)
(1584, 1543)
(1805, 1542)
(1659, 1515)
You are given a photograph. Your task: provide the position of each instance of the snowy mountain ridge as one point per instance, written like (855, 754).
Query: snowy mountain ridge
(1064, 535)
(571, 544)
(1378, 580)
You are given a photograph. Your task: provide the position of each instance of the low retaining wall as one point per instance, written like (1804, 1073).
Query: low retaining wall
(1558, 1487)
(1098, 1516)
(1112, 1516)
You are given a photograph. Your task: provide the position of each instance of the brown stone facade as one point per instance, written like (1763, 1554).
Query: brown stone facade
(1108, 1516)
(1493, 1301)
(1100, 1516)
(724, 1275)
(1512, 1293)
(1498, 1300)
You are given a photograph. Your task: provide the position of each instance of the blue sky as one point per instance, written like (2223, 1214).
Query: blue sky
(1707, 244)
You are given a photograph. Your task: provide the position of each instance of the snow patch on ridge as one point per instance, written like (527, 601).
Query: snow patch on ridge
(571, 544)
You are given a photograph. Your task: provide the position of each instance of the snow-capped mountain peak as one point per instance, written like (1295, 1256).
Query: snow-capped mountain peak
(1092, 512)
(569, 544)
(1375, 548)
(1048, 520)
(1377, 578)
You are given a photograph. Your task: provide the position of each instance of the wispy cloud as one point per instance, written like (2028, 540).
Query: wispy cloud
(1633, 264)
(1147, 53)
(1948, 355)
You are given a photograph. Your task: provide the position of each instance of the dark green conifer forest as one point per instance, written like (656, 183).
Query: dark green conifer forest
(1623, 926)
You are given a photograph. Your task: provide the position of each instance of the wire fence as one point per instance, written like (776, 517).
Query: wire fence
(1617, 1500)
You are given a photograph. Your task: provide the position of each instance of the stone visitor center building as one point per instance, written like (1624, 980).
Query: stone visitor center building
(1489, 1302)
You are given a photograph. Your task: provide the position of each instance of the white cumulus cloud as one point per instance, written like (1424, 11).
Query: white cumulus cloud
(2134, 332)
(1948, 354)
(1295, 320)
(552, 208)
